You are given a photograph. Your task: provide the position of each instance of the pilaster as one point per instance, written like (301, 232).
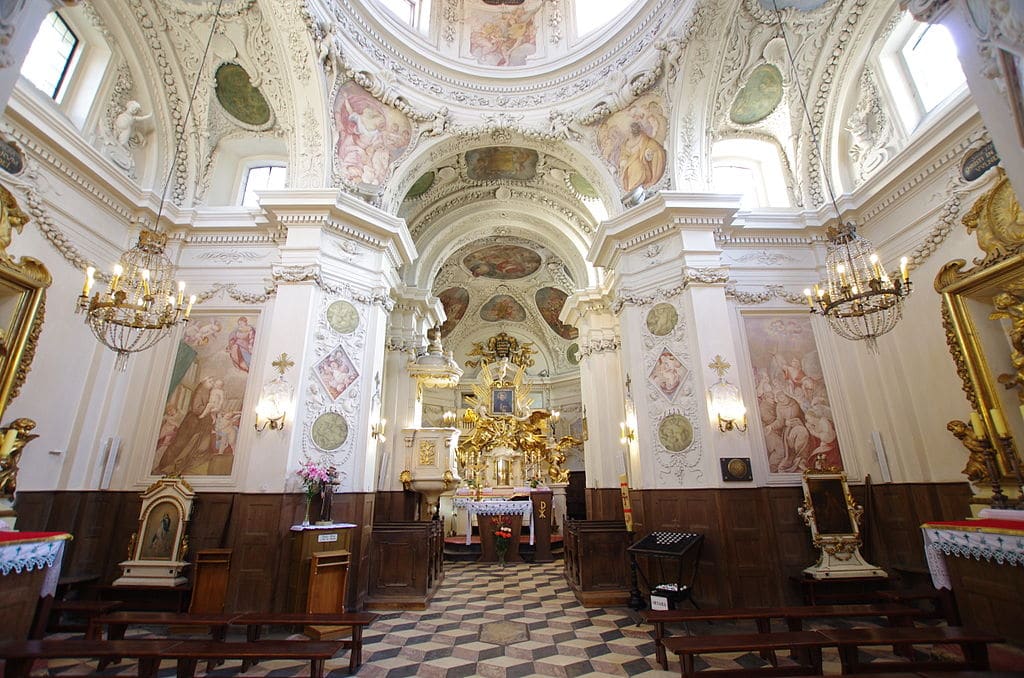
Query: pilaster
(673, 319)
(337, 269)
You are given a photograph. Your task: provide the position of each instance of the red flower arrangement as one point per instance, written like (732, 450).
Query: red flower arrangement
(502, 526)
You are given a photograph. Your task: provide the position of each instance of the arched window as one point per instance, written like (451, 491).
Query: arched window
(751, 168)
(52, 57)
(415, 13)
(261, 178)
(591, 15)
(920, 69)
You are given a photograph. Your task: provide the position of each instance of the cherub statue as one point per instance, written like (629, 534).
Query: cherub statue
(976, 469)
(126, 125)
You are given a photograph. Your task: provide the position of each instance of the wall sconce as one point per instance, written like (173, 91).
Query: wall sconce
(377, 431)
(628, 433)
(725, 400)
(448, 419)
(275, 399)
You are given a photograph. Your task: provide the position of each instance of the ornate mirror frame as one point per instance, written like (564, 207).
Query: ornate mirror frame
(989, 356)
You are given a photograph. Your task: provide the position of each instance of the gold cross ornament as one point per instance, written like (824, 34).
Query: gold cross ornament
(283, 363)
(719, 365)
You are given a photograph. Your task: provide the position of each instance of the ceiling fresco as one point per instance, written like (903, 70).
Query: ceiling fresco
(502, 36)
(502, 262)
(502, 307)
(550, 301)
(455, 301)
(632, 141)
(238, 97)
(495, 163)
(371, 136)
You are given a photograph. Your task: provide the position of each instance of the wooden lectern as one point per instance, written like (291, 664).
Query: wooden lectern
(328, 577)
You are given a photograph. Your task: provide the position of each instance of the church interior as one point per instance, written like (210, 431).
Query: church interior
(315, 301)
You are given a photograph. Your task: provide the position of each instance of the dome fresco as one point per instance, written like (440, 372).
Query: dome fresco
(502, 262)
(550, 301)
(239, 98)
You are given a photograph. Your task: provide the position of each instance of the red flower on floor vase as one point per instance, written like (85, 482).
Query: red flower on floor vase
(502, 526)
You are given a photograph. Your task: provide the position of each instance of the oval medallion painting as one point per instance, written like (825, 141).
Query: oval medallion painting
(239, 98)
(329, 431)
(662, 319)
(502, 262)
(759, 96)
(342, 317)
(675, 432)
(502, 307)
(572, 354)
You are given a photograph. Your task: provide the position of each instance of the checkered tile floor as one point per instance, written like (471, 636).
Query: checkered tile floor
(494, 622)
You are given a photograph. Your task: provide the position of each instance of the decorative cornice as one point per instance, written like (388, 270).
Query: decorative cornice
(232, 291)
(595, 346)
(768, 293)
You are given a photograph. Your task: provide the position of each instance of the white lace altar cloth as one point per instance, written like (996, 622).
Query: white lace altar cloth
(996, 540)
(27, 551)
(493, 508)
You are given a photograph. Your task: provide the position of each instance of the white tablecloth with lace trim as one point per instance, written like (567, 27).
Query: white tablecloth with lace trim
(27, 551)
(493, 508)
(1001, 541)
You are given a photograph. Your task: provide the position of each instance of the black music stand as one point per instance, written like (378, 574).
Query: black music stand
(684, 547)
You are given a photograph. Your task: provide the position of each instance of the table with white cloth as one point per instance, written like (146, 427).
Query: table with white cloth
(30, 565)
(982, 563)
(493, 508)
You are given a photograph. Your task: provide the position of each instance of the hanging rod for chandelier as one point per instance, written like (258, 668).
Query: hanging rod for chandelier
(142, 303)
(859, 299)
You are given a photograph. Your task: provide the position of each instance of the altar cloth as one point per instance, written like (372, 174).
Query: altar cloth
(27, 551)
(991, 539)
(493, 508)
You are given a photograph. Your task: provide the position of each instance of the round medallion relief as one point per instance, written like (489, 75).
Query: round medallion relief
(342, 317)
(675, 432)
(329, 431)
(738, 468)
(662, 319)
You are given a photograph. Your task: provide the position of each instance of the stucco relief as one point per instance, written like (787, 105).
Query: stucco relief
(871, 130)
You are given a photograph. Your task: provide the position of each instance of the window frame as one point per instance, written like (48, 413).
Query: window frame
(70, 63)
(247, 168)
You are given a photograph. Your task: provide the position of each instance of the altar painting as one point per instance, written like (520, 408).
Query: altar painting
(371, 136)
(503, 38)
(632, 141)
(793, 405)
(203, 409)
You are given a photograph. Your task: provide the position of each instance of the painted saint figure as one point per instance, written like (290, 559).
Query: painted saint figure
(240, 343)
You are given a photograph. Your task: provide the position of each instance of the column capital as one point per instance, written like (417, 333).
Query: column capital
(664, 214)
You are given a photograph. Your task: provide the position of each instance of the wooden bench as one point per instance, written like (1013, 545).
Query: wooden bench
(117, 624)
(973, 644)
(794, 616)
(87, 609)
(805, 644)
(254, 621)
(20, 655)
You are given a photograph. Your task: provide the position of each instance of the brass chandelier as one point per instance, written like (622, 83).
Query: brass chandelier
(860, 301)
(142, 303)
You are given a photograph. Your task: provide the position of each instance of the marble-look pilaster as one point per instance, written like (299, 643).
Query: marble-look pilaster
(337, 269)
(665, 259)
(601, 384)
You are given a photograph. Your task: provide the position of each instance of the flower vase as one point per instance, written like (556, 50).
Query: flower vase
(326, 497)
(305, 519)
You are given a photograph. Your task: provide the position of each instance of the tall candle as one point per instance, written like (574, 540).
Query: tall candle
(903, 269)
(810, 300)
(998, 421)
(89, 273)
(191, 300)
(979, 430)
(10, 437)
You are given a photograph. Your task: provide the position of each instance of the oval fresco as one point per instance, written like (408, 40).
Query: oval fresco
(582, 186)
(371, 136)
(675, 433)
(421, 186)
(503, 307)
(550, 301)
(502, 262)
(329, 431)
(501, 162)
(239, 98)
(662, 319)
(572, 354)
(759, 97)
(455, 301)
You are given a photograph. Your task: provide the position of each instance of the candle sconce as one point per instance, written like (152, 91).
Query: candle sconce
(275, 398)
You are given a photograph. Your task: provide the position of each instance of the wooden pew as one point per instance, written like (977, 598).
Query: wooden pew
(254, 621)
(794, 616)
(973, 644)
(20, 655)
(805, 644)
(190, 652)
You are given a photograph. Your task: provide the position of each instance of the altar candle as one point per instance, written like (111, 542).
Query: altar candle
(998, 421)
(10, 436)
(979, 430)
(89, 273)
